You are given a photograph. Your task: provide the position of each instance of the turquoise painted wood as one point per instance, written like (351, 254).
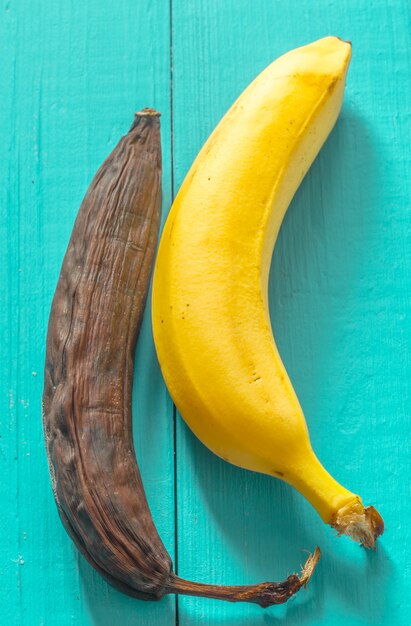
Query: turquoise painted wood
(339, 295)
(72, 76)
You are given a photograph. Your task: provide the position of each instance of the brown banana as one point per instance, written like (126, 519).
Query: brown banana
(94, 323)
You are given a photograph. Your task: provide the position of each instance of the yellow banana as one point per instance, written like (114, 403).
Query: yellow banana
(211, 320)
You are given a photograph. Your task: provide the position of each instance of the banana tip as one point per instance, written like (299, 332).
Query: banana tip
(309, 567)
(345, 40)
(363, 524)
(148, 112)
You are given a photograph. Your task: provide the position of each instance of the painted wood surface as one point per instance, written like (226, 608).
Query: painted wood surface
(72, 76)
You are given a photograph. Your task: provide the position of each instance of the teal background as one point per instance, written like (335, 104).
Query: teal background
(72, 75)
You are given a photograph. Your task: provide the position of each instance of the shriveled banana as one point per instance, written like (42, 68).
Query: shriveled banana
(95, 320)
(211, 320)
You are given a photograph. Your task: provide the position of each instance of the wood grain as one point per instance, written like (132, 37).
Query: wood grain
(340, 291)
(73, 77)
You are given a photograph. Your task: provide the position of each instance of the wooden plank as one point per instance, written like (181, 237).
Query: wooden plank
(339, 294)
(72, 76)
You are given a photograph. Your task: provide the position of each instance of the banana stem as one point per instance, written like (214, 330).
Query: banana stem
(264, 594)
(363, 524)
(338, 506)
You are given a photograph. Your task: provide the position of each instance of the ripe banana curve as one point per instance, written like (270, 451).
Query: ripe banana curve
(211, 320)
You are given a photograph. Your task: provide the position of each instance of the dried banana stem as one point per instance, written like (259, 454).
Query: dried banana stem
(264, 594)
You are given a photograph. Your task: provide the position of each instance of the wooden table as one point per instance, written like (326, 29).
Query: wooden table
(72, 75)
